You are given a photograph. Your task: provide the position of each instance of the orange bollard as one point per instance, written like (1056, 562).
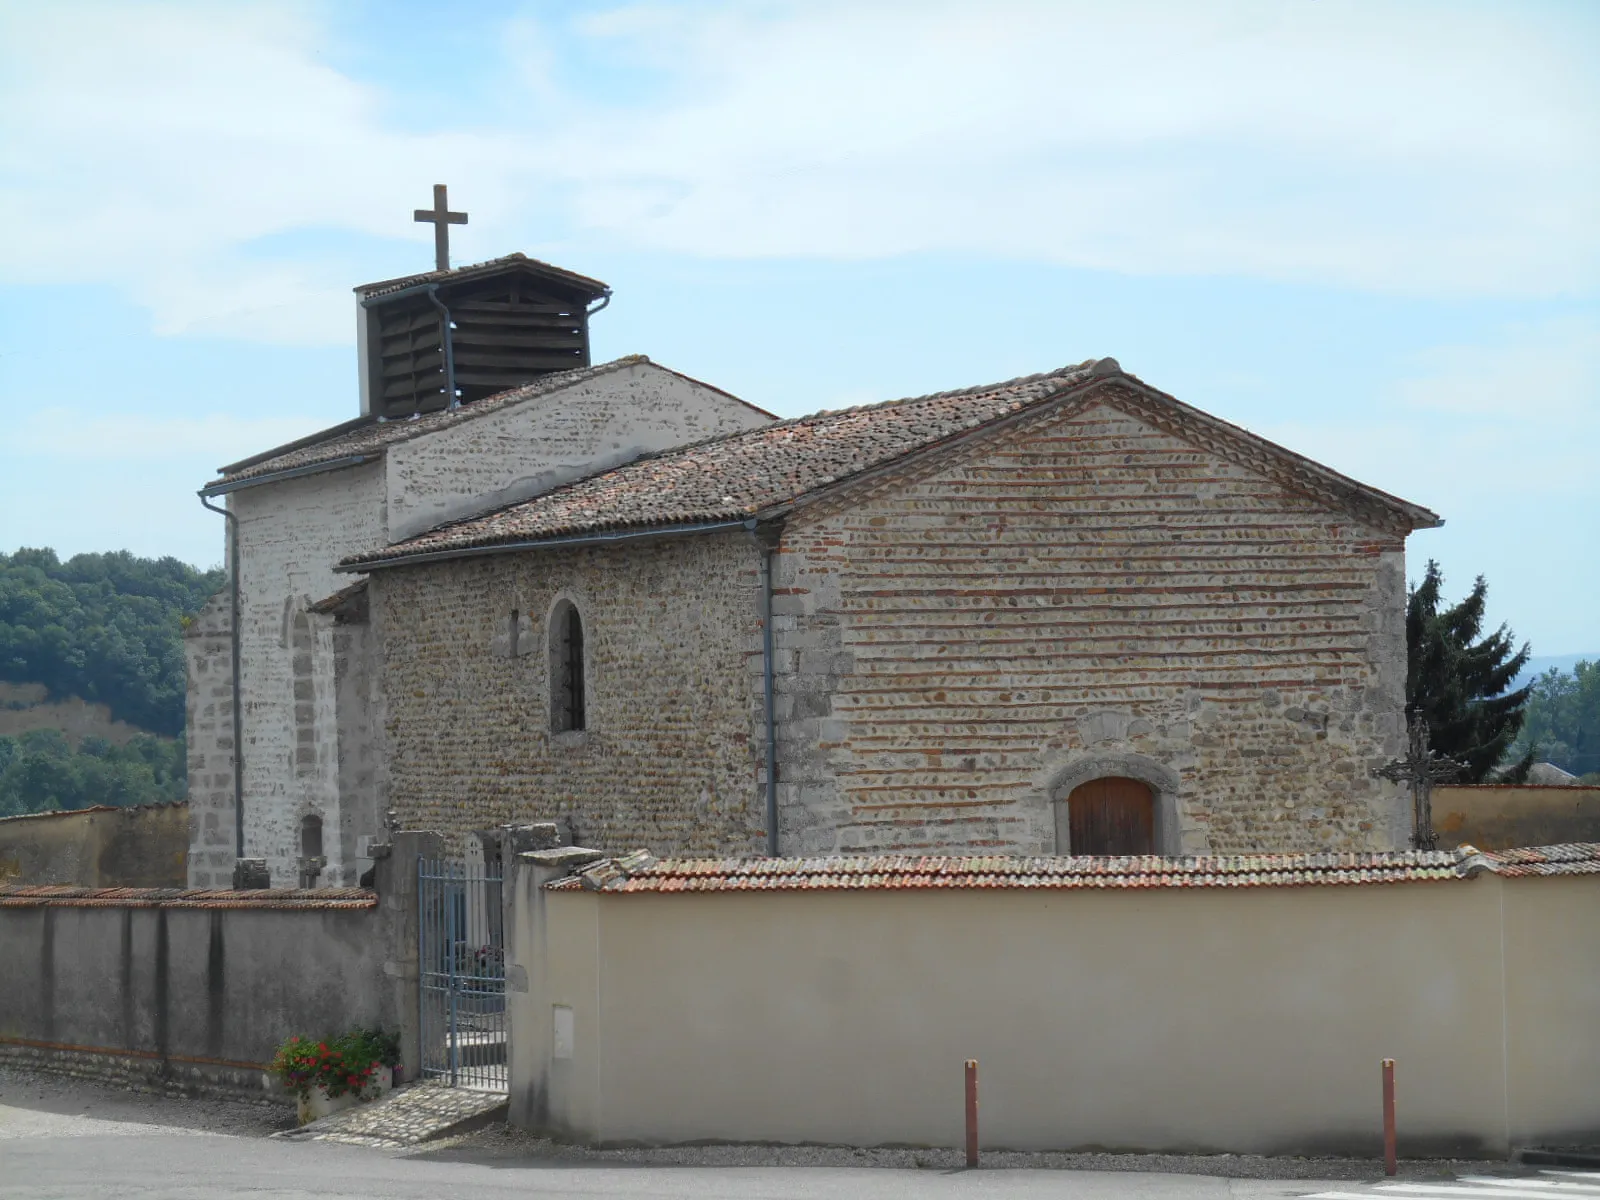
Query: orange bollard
(972, 1112)
(1391, 1164)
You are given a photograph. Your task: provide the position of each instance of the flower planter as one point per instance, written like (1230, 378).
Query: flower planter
(316, 1103)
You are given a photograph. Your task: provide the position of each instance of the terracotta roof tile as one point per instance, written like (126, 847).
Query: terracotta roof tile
(1003, 871)
(60, 895)
(1570, 858)
(733, 476)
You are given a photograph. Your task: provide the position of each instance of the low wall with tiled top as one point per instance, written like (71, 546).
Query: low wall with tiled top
(1145, 1004)
(193, 990)
(1496, 816)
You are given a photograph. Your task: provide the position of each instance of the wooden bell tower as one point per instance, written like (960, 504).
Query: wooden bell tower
(452, 336)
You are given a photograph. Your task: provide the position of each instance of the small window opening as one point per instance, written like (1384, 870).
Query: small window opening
(567, 699)
(311, 860)
(511, 632)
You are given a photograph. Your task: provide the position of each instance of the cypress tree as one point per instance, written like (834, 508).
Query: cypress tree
(1457, 681)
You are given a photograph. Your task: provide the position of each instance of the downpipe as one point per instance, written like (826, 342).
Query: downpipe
(767, 540)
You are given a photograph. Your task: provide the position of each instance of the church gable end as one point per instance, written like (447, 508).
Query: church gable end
(1087, 586)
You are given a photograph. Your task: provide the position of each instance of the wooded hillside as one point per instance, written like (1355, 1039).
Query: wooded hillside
(106, 628)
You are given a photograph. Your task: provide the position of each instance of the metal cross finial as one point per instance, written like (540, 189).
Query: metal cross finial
(1421, 768)
(441, 218)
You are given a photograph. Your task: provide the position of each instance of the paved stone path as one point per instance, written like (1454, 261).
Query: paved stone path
(404, 1118)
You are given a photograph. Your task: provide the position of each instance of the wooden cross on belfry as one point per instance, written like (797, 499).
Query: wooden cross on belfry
(441, 218)
(1421, 768)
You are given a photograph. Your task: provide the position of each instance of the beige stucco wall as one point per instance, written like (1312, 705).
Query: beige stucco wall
(1248, 1020)
(1495, 817)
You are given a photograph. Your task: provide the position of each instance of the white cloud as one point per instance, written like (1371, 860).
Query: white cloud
(1472, 426)
(1429, 148)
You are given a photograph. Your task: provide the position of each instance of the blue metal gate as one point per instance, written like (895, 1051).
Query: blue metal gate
(463, 975)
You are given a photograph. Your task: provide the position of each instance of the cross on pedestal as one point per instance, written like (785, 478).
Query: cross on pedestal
(1421, 768)
(441, 218)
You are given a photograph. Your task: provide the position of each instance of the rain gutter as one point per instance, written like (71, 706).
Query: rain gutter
(553, 543)
(333, 464)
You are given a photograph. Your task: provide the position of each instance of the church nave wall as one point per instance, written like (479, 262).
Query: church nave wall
(669, 758)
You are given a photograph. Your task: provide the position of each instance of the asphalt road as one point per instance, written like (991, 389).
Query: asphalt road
(71, 1138)
(83, 1159)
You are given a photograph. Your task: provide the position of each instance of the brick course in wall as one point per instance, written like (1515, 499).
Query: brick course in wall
(1087, 595)
(670, 755)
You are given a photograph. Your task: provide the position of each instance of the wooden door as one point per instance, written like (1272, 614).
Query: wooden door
(1112, 816)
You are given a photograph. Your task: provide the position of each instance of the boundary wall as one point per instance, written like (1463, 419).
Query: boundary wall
(1500, 816)
(143, 845)
(1185, 1005)
(194, 990)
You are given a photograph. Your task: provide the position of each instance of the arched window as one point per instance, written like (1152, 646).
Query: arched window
(568, 707)
(311, 836)
(311, 859)
(1112, 815)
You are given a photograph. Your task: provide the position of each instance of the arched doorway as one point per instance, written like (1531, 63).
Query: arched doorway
(1111, 815)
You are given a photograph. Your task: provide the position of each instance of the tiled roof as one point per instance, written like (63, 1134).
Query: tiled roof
(369, 436)
(572, 279)
(991, 872)
(1572, 858)
(760, 472)
(58, 895)
(75, 812)
(733, 476)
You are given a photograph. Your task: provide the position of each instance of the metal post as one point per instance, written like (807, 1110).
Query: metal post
(452, 1031)
(1391, 1164)
(972, 1112)
(422, 969)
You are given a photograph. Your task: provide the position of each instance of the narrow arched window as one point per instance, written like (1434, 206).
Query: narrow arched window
(311, 859)
(568, 707)
(311, 836)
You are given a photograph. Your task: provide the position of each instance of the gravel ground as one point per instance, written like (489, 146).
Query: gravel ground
(500, 1142)
(43, 1104)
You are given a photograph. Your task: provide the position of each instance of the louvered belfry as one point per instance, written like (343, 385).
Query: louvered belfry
(508, 322)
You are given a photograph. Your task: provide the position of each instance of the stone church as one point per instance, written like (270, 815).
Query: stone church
(1065, 613)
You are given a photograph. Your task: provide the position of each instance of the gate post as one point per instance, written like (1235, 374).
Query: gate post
(528, 1010)
(395, 877)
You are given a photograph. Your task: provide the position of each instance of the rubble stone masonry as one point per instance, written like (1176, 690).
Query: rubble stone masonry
(670, 756)
(956, 647)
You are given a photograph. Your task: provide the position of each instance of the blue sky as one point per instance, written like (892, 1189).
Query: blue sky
(1366, 230)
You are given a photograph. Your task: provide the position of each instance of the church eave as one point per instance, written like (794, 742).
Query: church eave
(594, 538)
(317, 468)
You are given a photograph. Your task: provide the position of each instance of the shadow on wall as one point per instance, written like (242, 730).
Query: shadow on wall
(146, 846)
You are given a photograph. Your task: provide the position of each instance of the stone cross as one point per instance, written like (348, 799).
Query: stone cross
(1421, 768)
(441, 218)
